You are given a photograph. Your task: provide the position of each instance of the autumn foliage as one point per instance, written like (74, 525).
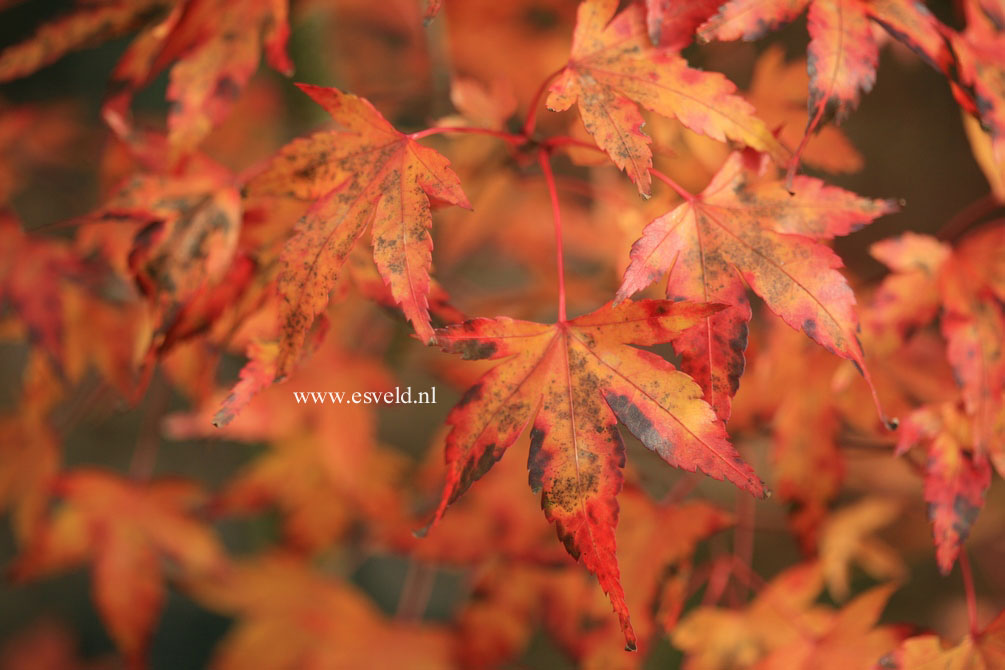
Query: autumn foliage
(608, 237)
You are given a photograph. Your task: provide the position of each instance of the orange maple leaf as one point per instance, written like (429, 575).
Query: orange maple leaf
(847, 537)
(125, 529)
(186, 227)
(741, 229)
(366, 171)
(32, 270)
(215, 46)
(578, 378)
(967, 284)
(782, 629)
(613, 67)
(292, 617)
(956, 478)
(842, 54)
(984, 650)
(90, 24)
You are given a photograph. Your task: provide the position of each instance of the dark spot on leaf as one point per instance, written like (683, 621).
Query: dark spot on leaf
(537, 460)
(639, 424)
(568, 539)
(227, 88)
(964, 515)
(474, 350)
(810, 328)
(475, 470)
(307, 172)
(469, 395)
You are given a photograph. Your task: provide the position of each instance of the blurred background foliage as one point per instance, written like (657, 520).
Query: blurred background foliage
(908, 131)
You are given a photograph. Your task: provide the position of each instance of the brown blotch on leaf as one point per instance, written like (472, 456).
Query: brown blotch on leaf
(638, 423)
(537, 460)
(474, 350)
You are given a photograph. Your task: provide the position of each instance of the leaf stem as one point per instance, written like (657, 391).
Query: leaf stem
(968, 587)
(562, 140)
(790, 173)
(967, 217)
(144, 458)
(438, 130)
(544, 159)
(535, 102)
(681, 191)
(743, 537)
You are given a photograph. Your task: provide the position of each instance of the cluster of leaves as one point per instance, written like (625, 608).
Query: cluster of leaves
(213, 240)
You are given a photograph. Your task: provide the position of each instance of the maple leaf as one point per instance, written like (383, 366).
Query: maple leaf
(576, 379)
(956, 479)
(91, 23)
(613, 69)
(715, 638)
(851, 641)
(124, 529)
(186, 227)
(972, 286)
(29, 448)
(984, 650)
(740, 229)
(367, 171)
(846, 538)
(292, 617)
(842, 54)
(215, 46)
(782, 629)
(966, 283)
(978, 77)
(31, 273)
